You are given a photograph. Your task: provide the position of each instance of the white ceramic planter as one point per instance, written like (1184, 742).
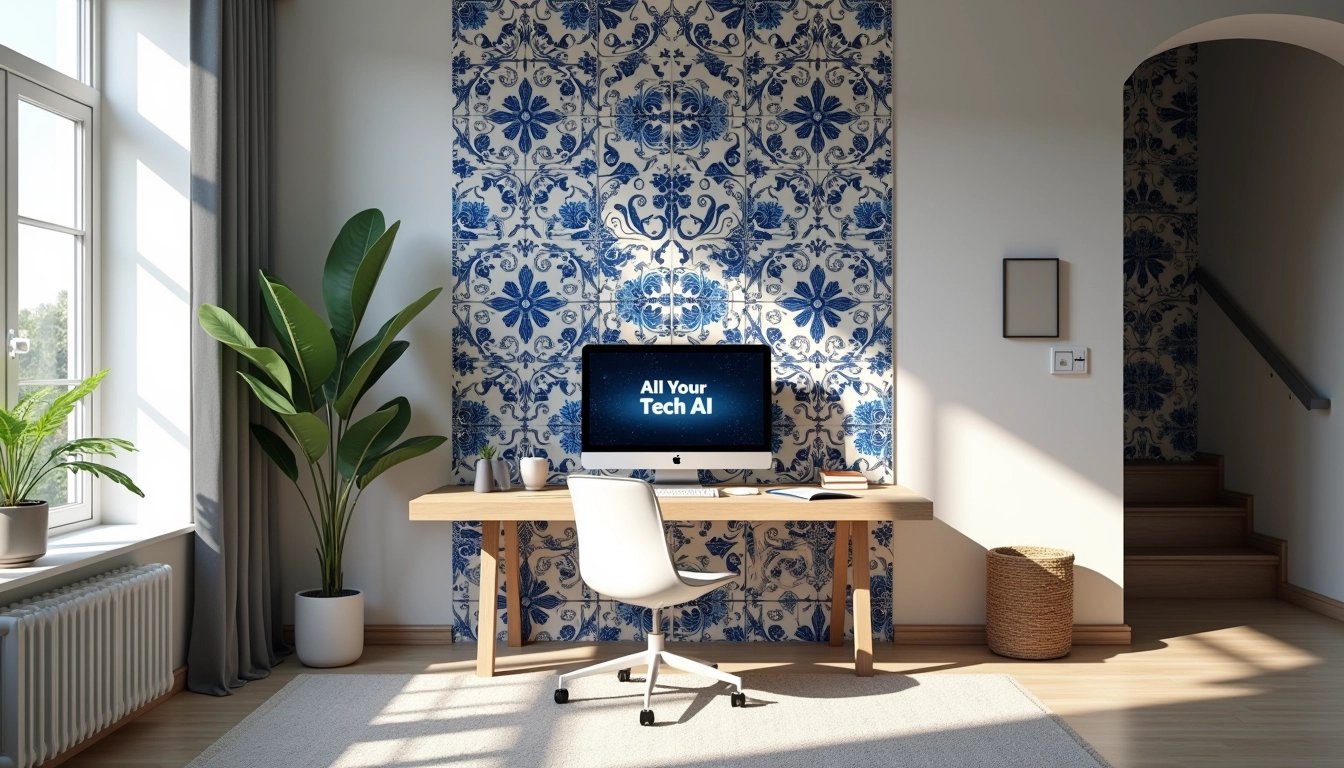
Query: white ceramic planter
(329, 631)
(485, 476)
(23, 534)
(533, 470)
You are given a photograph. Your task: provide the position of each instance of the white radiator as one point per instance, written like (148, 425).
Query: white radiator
(79, 658)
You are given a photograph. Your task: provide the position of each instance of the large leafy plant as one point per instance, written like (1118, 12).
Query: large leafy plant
(314, 378)
(28, 452)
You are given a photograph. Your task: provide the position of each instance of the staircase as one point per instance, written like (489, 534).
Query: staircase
(1188, 537)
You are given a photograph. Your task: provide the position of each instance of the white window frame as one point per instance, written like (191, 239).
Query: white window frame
(22, 78)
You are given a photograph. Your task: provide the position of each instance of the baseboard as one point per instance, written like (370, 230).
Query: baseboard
(974, 634)
(179, 685)
(396, 634)
(408, 634)
(1312, 601)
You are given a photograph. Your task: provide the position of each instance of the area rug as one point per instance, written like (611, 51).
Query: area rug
(406, 721)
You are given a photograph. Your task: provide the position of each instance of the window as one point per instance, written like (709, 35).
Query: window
(47, 218)
(50, 32)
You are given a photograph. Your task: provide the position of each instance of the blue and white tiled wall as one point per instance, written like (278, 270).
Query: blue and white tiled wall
(1161, 246)
(674, 172)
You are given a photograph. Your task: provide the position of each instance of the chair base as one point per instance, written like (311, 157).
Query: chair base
(653, 658)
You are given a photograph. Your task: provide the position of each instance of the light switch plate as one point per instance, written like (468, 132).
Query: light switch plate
(1068, 360)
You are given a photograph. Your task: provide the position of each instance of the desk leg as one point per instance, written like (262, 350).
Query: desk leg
(513, 585)
(863, 606)
(485, 625)
(838, 581)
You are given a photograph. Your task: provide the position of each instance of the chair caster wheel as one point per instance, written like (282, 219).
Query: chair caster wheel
(646, 717)
(623, 675)
(739, 699)
(561, 695)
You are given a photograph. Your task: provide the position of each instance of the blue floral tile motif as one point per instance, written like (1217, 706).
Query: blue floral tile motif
(554, 270)
(696, 172)
(1160, 253)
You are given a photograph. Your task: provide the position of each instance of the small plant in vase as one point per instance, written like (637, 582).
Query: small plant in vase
(485, 474)
(34, 443)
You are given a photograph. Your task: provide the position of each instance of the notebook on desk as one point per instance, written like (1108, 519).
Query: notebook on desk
(811, 494)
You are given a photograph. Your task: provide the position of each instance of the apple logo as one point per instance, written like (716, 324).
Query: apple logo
(676, 459)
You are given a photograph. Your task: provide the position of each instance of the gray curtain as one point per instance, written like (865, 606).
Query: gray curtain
(235, 630)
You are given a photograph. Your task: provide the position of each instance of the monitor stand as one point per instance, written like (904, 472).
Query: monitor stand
(676, 478)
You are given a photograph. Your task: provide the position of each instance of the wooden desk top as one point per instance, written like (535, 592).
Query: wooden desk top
(877, 503)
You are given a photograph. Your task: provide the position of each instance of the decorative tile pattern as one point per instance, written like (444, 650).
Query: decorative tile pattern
(674, 171)
(1161, 250)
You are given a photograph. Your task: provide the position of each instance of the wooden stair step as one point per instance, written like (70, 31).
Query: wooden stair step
(1165, 482)
(1200, 572)
(1199, 554)
(1185, 525)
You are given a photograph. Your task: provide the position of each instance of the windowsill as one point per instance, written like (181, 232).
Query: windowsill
(71, 551)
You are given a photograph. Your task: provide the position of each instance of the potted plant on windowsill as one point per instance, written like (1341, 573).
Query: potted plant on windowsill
(34, 444)
(312, 382)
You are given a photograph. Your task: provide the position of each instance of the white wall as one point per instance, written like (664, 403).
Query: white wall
(1008, 143)
(145, 313)
(1272, 231)
(146, 316)
(363, 121)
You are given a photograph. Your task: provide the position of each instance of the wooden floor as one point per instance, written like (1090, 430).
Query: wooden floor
(1251, 683)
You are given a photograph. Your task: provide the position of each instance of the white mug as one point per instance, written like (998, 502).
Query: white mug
(534, 470)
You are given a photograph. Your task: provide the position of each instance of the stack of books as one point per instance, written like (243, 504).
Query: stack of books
(843, 480)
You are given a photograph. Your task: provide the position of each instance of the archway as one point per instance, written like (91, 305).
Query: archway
(1169, 216)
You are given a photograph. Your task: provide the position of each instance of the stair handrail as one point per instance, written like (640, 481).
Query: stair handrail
(1287, 372)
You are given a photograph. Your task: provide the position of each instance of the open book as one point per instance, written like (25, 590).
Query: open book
(811, 494)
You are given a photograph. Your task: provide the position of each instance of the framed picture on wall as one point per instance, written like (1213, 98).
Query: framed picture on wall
(1031, 298)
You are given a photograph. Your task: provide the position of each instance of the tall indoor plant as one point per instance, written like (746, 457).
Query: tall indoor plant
(312, 381)
(34, 444)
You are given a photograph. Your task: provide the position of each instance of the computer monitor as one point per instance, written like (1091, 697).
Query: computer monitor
(676, 409)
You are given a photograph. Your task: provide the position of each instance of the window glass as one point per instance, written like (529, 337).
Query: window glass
(48, 160)
(48, 31)
(48, 264)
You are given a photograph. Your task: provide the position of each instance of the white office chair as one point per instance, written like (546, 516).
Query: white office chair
(623, 555)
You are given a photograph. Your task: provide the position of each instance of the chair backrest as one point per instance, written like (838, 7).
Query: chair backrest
(622, 547)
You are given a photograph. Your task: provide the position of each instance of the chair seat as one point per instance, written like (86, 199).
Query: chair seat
(699, 579)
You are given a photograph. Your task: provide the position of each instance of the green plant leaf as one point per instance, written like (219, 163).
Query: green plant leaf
(221, 327)
(58, 413)
(268, 397)
(309, 432)
(279, 451)
(349, 395)
(116, 476)
(359, 438)
(395, 429)
(408, 449)
(302, 333)
(393, 353)
(340, 274)
(98, 446)
(11, 428)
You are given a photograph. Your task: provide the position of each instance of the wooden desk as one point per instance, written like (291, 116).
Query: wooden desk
(851, 516)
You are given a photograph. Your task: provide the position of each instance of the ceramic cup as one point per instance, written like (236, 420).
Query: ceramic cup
(534, 470)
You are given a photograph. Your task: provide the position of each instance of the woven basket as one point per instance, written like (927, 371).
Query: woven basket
(1029, 602)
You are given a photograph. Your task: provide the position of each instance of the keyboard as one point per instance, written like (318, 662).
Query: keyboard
(686, 492)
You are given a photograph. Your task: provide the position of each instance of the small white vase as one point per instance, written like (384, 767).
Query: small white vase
(501, 470)
(534, 470)
(329, 631)
(485, 478)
